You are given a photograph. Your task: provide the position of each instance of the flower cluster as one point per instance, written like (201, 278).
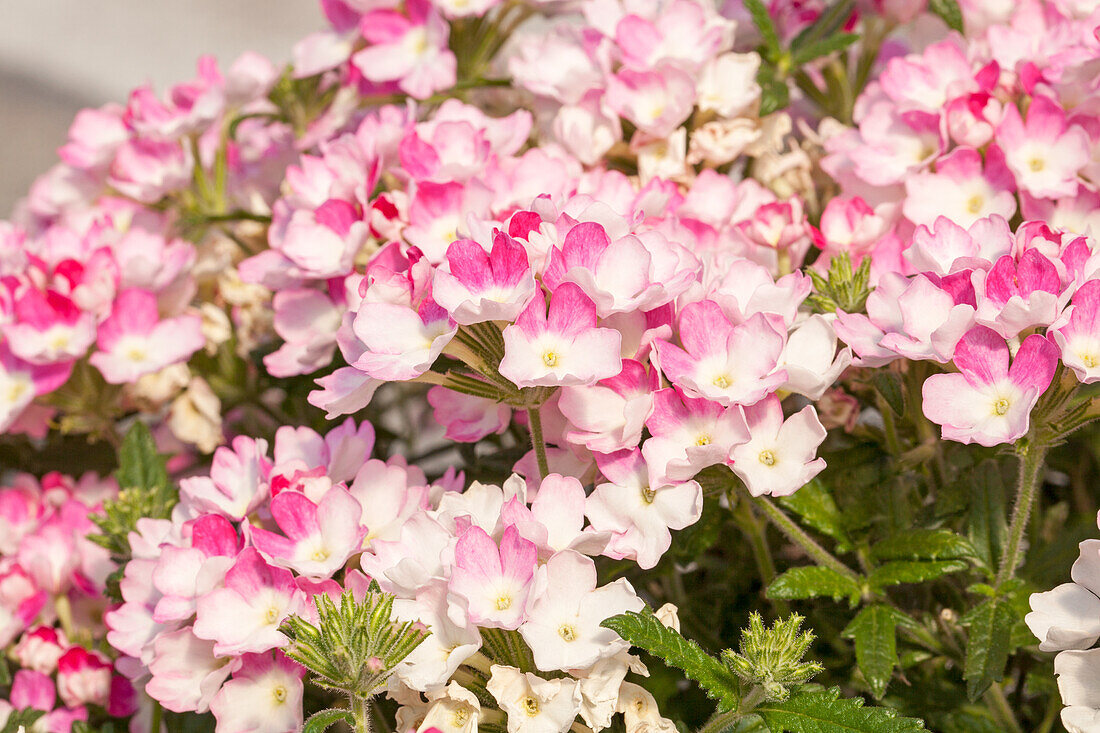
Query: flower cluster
(52, 580)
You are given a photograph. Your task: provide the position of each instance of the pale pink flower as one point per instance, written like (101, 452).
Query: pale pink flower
(638, 514)
(319, 537)
(610, 415)
(555, 520)
(944, 247)
(560, 348)
(401, 342)
(238, 481)
(40, 648)
(83, 677)
(563, 620)
(780, 455)
(961, 189)
(689, 434)
(264, 696)
(494, 581)
(657, 101)
(135, 340)
(484, 286)
(185, 673)
(1077, 333)
(244, 616)
(452, 640)
(49, 327)
(408, 49)
(720, 361)
(988, 402)
(1044, 153)
(1018, 293)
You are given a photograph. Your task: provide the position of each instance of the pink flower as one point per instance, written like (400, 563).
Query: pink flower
(555, 520)
(906, 317)
(639, 515)
(147, 170)
(307, 321)
(634, 272)
(776, 225)
(689, 434)
(1017, 294)
(944, 247)
(609, 415)
(244, 616)
(1044, 153)
(563, 622)
(656, 101)
(264, 696)
(135, 341)
(960, 189)
(485, 286)
(238, 481)
(494, 581)
(850, 225)
(83, 677)
(410, 50)
(319, 538)
(185, 673)
(1077, 333)
(468, 419)
(562, 348)
(780, 455)
(988, 402)
(401, 342)
(21, 382)
(722, 362)
(49, 328)
(40, 648)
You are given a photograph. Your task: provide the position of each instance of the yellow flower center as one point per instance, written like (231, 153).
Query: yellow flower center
(550, 359)
(1036, 164)
(530, 706)
(279, 693)
(721, 381)
(504, 603)
(702, 440)
(974, 205)
(648, 495)
(136, 353)
(567, 632)
(1000, 407)
(1089, 360)
(320, 555)
(767, 457)
(272, 615)
(461, 715)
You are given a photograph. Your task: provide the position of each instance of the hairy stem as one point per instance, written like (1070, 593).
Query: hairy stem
(1001, 709)
(799, 536)
(534, 419)
(1031, 456)
(360, 711)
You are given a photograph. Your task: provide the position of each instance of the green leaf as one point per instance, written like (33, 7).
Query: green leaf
(763, 22)
(5, 673)
(824, 711)
(986, 524)
(139, 464)
(874, 630)
(913, 571)
(812, 581)
(988, 644)
(774, 94)
(824, 47)
(645, 631)
(889, 385)
(816, 508)
(321, 721)
(924, 544)
(828, 23)
(949, 12)
(21, 719)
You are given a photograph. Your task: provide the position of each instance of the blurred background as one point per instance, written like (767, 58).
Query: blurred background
(57, 56)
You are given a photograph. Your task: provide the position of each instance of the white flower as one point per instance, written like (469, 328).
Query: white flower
(534, 705)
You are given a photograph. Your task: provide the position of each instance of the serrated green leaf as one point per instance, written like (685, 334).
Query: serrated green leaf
(949, 12)
(988, 644)
(812, 581)
(828, 23)
(986, 523)
(764, 23)
(924, 544)
(321, 721)
(645, 631)
(889, 385)
(913, 571)
(815, 506)
(139, 464)
(823, 47)
(824, 711)
(774, 96)
(874, 631)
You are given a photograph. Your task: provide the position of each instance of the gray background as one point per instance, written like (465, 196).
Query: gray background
(57, 56)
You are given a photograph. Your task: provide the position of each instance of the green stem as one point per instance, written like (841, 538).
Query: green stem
(158, 715)
(534, 419)
(1002, 710)
(720, 721)
(754, 532)
(360, 712)
(64, 614)
(799, 536)
(1031, 456)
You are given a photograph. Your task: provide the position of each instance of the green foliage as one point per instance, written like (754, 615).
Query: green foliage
(644, 630)
(321, 721)
(355, 646)
(823, 47)
(824, 711)
(21, 719)
(988, 644)
(815, 505)
(949, 12)
(771, 49)
(843, 288)
(890, 387)
(874, 631)
(144, 491)
(772, 657)
(812, 581)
